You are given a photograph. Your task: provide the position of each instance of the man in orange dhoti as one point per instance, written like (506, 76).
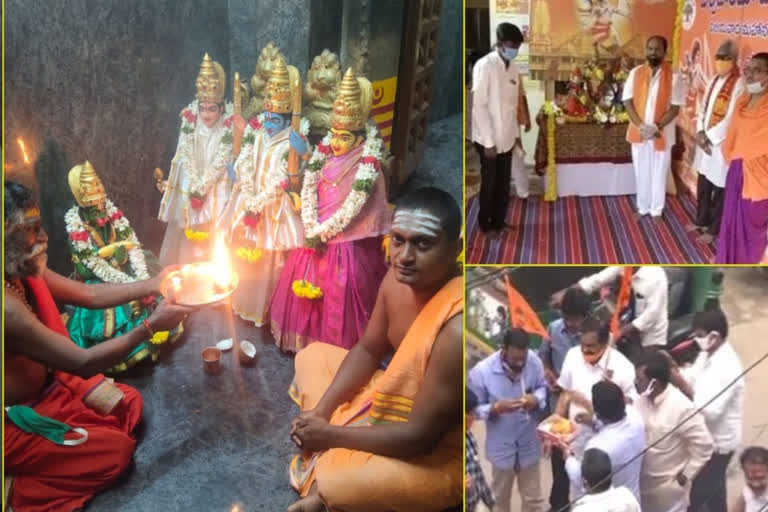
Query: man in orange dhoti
(409, 455)
(66, 437)
(652, 95)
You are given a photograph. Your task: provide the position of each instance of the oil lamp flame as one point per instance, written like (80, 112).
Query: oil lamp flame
(20, 141)
(223, 268)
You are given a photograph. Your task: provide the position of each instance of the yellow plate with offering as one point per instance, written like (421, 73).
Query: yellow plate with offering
(199, 284)
(557, 428)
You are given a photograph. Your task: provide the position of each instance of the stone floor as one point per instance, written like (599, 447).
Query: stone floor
(220, 443)
(744, 303)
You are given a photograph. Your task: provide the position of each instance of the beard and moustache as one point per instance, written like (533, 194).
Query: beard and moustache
(25, 263)
(654, 61)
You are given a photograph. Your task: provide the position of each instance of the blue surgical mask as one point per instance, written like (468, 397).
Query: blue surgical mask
(509, 53)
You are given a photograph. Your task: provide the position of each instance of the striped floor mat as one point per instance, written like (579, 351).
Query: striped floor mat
(588, 230)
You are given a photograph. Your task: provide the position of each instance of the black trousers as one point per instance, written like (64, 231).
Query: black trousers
(561, 485)
(708, 493)
(709, 211)
(495, 174)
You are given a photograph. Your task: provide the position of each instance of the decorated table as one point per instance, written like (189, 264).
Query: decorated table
(590, 159)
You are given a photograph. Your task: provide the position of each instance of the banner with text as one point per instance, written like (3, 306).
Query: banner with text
(517, 13)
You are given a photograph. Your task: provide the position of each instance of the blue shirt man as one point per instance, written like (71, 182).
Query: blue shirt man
(511, 391)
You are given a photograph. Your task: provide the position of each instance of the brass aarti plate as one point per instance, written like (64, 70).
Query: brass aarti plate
(198, 284)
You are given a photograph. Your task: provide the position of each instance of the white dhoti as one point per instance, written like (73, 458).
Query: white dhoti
(651, 170)
(520, 177)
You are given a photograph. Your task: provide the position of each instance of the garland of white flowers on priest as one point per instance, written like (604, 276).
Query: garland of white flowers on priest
(201, 181)
(277, 182)
(87, 252)
(365, 179)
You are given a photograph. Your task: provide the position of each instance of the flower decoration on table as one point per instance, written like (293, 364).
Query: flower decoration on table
(87, 253)
(277, 182)
(202, 180)
(550, 188)
(318, 233)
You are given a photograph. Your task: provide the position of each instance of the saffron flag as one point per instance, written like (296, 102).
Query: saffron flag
(623, 300)
(521, 315)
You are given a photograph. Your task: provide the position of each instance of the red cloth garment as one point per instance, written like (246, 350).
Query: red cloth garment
(50, 477)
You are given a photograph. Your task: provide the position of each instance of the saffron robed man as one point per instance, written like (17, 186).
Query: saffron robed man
(68, 430)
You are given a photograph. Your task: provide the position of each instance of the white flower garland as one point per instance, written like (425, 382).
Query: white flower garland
(366, 175)
(99, 266)
(256, 202)
(201, 181)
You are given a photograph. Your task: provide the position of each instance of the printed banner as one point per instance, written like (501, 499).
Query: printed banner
(706, 25)
(517, 13)
(383, 108)
(584, 28)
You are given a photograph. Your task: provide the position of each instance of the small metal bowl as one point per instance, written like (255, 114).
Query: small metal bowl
(211, 360)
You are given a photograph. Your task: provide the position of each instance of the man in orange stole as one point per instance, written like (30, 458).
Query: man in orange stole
(652, 95)
(409, 456)
(66, 437)
(744, 233)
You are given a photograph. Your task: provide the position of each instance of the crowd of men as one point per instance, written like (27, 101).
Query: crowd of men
(650, 434)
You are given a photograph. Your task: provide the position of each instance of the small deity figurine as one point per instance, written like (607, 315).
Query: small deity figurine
(264, 65)
(323, 78)
(595, 74)
(200, 182)
(105, 249)
(576, 103)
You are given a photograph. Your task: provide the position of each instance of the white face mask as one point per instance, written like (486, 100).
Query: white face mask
(705, 342)
(755, 88)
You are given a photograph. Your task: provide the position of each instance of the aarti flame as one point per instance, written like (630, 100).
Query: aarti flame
(223, 268)
(20, 141)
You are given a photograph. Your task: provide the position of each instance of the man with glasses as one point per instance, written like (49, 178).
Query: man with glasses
(744, 233)
(711, 127)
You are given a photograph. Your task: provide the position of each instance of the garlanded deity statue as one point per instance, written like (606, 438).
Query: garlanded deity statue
(105, 249)
(577, 101)
(264, 66)
(200, 181)
(323, 78)
(327, 290)
(263, 216)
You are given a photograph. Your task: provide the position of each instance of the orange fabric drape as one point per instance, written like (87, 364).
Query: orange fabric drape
(641, 87)
(746, 139)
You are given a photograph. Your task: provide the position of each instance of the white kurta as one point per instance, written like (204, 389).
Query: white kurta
(715, 167)
(651, 166)
(175, 209)
(259, 169)
(495, 96)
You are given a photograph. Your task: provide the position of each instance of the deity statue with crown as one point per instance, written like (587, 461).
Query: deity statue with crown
(327, 289)
(576, 103)
(105, 249)
(200, 180)
(263, 216)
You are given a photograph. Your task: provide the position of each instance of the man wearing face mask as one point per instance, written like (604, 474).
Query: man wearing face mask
(744, 233)
(621, 435)
(653, 94)
(670, 466)
(199, 185)
(511, 388)
(262, 218)
(584, 366)
(712, 125)
(499, 108)
(712, 373)
(68, 430)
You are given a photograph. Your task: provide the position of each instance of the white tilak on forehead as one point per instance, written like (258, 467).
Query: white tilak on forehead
(418, 221)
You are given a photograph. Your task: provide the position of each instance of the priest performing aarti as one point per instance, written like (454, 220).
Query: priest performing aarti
(105, 249)
(264, 217)
(69, 431)
(345, 214)
(199, 184)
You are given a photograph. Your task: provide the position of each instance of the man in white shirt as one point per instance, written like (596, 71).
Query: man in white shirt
(621, 435)
(584, 366)
(754, 497)
(715, 368)
(711, 127)
(653, 93)
(601, 496)
(497, 102)
(670, 466)
(650, 288)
